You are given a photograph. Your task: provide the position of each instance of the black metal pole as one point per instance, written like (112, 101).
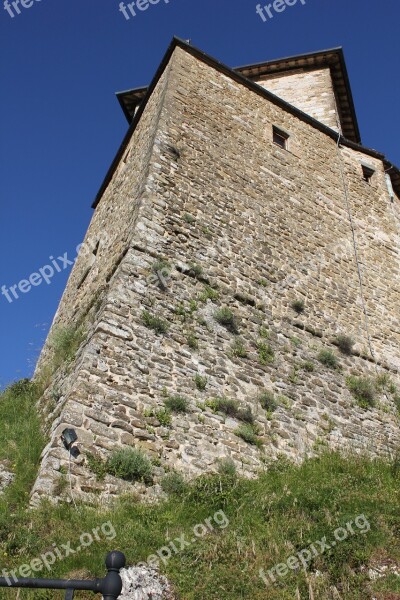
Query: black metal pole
(53, 584)
(110, 586)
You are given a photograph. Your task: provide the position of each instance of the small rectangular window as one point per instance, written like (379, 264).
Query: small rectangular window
(367, 173)
(280, 138)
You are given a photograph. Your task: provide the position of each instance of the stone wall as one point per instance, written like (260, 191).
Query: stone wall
(311, 91)
(240, 223)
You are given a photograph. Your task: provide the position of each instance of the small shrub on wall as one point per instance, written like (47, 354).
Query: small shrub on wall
(130, 464)
(363, 390)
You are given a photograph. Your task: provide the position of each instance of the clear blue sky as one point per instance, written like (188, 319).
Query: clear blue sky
(60, 123)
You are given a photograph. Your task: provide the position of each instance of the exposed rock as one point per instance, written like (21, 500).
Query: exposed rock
(143, 583)
(6, 477)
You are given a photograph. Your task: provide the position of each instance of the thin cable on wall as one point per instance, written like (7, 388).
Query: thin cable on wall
(353, 233)
(70, 479)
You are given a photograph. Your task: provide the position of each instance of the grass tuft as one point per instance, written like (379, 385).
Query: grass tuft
(268, 401)
(177, 404)
(238, 349)
(192, 341)
(227, 467)
(163, 415)
(64, 343)
(249, 433)
(363, 390)
(225, 317)
(208, 293)
(225, 405)
(328, 358)
(200, 382)
(21, 442)
(307, 366)
(130, 464)
(345, 344)
(195, 271)
(174, 484)
(188, 218)
(265, 353)
(298, 306)
(155, 323)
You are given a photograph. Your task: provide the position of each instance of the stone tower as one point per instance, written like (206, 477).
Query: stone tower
(241, 228)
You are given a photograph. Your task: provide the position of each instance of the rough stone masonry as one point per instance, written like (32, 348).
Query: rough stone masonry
(243, 223)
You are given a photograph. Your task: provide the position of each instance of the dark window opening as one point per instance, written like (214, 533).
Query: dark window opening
(367, 173)
(96, 249)
(280, 138)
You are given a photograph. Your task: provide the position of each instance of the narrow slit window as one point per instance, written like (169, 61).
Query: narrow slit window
(96, 249)
(367, 173)
(280, 138)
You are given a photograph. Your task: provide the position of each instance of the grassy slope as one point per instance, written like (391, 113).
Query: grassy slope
(270, 519)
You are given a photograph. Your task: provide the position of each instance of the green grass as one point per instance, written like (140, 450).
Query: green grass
(238, 349)
(184, 312)
(192, 341)
(345, 344)
(180, 310)
(270, 518)
(266, 520)
(177, 404)
(225, 317)
(163, 415)
(154, 322)
(195, 270)
(228, 406)
(246, 415)
(227, 467)
(328, 358)
(307, 366)
(188, 218)
(264, 332)
(268, 401)
(161, 266)
(265, 353)
(208, 293)
(231, 408)
(97, 465)
(21, 442)
(200, 381)
(249, 433)
(363, 390)
(174, 484)
(130, 464)
(64, 343)
(298, 306)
